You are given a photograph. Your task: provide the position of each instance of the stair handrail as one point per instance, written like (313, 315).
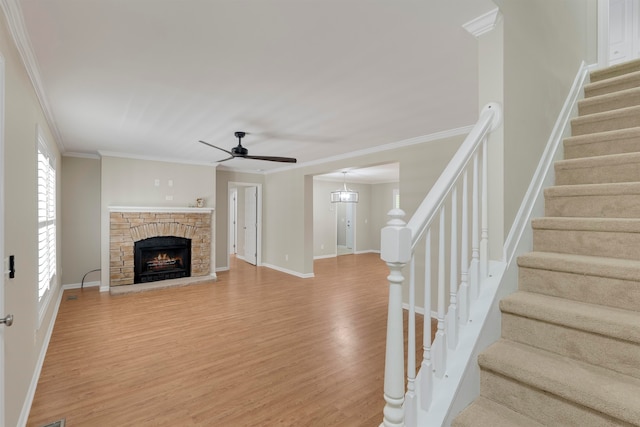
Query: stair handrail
(490, 119)
(397, 247)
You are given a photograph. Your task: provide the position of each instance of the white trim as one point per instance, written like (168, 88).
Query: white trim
(92, 284)
(483, 23)
(544, 175)
(219, 269)
(117, 154)
(325, 256)
(81, 155)
(291, 272)
(368, 251)
(28, 401)
(15, 21)
(4, 277)
(377, 149)
(159, 209)
(603, 33)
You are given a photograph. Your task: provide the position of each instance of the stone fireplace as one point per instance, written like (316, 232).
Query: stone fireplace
(153, 245)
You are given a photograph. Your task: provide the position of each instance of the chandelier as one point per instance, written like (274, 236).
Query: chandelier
(344, 195)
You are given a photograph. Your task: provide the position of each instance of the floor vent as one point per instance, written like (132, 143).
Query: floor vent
(69, 298)
(59, 423)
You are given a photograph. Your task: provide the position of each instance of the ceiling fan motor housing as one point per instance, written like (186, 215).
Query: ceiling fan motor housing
(239, 151)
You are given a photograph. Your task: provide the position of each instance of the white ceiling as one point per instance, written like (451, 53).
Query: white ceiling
(310, 79)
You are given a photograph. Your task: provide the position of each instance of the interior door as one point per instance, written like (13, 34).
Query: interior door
(2, 270)
(350, 225)
(250, 225)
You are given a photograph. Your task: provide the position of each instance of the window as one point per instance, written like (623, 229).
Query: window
(395, 203)
(46, 224)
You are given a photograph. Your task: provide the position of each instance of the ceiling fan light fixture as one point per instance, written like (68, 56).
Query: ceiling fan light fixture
(344, 195)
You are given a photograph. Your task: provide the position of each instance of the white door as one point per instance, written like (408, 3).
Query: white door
(350, 225)
(233, 221)
(624, 31)
(2, 270)
(250, 225)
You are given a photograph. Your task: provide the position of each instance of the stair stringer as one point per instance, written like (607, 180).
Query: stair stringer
(518, 242)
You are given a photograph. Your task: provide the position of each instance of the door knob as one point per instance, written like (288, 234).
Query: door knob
(7, 320)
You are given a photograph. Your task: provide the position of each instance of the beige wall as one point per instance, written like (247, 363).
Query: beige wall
(544, 45)
(23, 341)
(287, 207)
(80, 219)
(131, 182)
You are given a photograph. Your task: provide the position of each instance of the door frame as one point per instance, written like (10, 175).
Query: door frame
(235, 184)
(233, 221)
(2, 259)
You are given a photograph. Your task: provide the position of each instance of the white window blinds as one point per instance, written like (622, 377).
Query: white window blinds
(46, 222)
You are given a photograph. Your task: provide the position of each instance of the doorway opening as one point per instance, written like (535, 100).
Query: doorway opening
(245, 222)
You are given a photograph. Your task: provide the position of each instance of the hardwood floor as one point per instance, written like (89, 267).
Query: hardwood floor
(256, 348)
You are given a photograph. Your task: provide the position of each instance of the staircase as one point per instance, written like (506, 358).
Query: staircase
(570, 348)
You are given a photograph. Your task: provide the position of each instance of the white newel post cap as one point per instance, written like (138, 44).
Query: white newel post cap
(395, 239)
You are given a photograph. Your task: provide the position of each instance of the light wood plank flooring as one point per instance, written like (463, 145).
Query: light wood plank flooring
(256, 348)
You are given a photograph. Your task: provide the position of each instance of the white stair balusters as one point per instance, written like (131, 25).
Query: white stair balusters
(458, 278)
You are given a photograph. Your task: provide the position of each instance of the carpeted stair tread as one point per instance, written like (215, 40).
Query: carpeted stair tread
(615, 268)
(485, 412)
(609, 200)
(603, 390)
(612, 84)
(602, 143)
(622, 118)
(624, 225)
(594, 318)
(606, 189)
(615, 70)
(597, 161)
(613, 282)
(609, 101)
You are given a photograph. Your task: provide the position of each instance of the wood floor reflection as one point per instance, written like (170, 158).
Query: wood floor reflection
(256, 348)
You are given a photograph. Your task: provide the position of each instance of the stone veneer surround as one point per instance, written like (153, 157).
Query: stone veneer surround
(127, 226)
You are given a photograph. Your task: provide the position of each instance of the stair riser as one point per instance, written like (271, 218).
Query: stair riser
(609, 206)
(610, 353)
(601, 105)
(603, 89)
(616, 293)
(626, 172)
(541, 406)
(594, 243)
(602, 147)
(583, 126)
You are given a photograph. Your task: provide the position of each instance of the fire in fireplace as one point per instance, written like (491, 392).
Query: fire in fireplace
(161, 258)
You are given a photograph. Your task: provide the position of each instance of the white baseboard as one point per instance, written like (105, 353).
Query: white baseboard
(325, 256)
(31, 392)
(79, 285)
(222, 269)
(370, 251)
(291, 272)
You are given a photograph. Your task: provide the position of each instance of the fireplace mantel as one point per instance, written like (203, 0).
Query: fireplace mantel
(158, 209)
(129, 224)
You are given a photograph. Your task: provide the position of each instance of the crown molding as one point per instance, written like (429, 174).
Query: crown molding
(483, 23)
(15, 21)
(102, 154)
(391, 146)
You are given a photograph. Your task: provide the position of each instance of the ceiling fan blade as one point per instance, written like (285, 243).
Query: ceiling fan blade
(221, 149)
(224, 160)
(271, 158)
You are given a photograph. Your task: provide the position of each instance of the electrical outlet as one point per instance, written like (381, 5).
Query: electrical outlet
(286, 257)
(322, 246)
(156, 182)
(168, 197)
(170, 183)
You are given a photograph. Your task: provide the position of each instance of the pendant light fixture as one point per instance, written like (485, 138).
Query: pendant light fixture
(344, 195)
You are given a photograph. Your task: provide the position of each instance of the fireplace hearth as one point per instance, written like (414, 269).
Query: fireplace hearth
(162, 258)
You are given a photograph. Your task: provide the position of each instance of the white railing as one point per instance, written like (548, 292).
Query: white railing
(458, 272)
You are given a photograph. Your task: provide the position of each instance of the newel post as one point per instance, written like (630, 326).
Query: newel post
(395, 250)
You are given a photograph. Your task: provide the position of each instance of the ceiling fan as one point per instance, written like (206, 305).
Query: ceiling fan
(240, 151)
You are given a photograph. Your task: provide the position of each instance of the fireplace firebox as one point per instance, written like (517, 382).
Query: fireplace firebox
(161, 258)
